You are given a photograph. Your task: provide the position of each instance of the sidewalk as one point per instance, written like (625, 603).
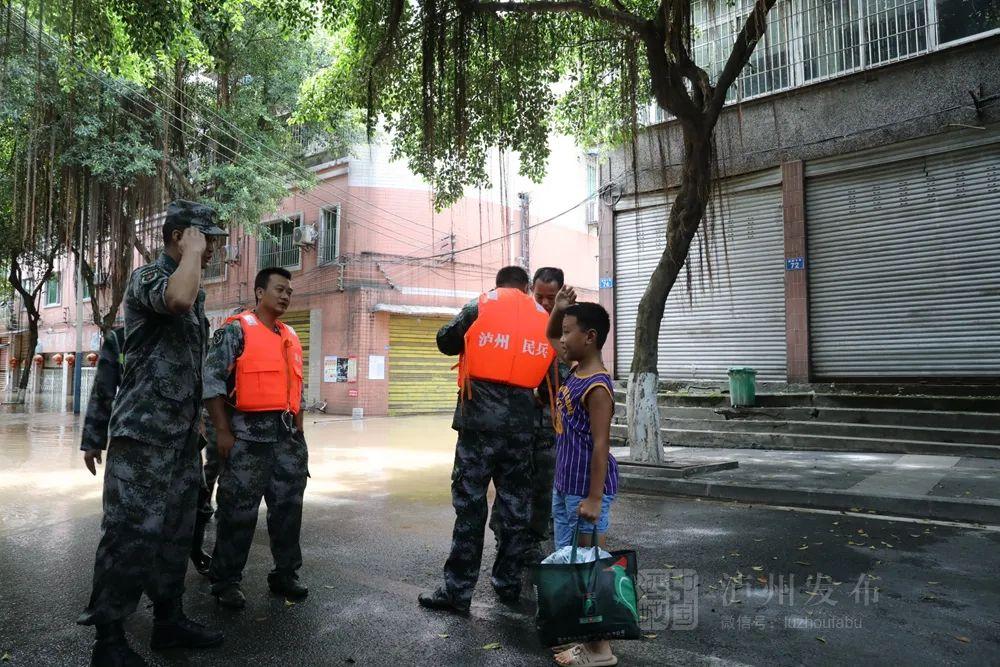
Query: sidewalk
(934, 487)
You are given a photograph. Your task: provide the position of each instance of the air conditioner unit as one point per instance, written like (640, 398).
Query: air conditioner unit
(304, 235)
(231, 253)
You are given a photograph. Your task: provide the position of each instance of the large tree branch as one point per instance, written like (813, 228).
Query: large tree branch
(182, 181)
(746, 41)
(587, 8)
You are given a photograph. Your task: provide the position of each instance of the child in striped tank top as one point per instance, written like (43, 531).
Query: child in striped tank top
(586, 479)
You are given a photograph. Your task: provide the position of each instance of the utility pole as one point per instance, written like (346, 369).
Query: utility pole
(78, 357)
(525, 258)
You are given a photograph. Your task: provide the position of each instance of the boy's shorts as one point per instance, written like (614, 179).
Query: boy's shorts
(565, 520)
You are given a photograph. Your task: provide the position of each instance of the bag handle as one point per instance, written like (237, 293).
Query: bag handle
(586, 588)
(576, 541)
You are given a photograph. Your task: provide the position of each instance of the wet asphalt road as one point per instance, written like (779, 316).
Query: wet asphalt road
(376, 533)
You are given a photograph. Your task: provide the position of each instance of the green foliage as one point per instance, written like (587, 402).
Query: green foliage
(454, 85)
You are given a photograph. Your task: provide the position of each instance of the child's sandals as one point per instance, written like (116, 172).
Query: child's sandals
(581, 656)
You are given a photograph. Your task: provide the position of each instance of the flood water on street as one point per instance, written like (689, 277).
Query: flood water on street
(376, 531)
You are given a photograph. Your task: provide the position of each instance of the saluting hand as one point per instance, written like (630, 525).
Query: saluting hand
(192, 242)
(565, 298)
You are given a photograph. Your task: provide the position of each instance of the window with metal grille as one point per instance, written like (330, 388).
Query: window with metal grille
(277, 248)
(811, 40)
(215, 270)
(329, 249)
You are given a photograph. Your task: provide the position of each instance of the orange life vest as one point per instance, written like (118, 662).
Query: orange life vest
(507, 342)
(269, 372)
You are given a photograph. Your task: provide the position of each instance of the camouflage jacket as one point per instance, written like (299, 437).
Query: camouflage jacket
(107, 377)
(159, 400)
(493, 406)
(226, 348)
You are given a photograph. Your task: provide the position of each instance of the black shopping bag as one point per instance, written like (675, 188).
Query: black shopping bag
(581, 602)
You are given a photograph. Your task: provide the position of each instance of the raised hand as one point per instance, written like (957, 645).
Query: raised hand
(192, 242)
(565, 298)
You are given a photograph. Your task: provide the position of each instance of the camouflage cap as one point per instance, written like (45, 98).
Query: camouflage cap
(183, 213)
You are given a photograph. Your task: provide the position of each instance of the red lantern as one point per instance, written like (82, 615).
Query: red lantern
(92, 358)
(70, 358)
(38, 359)
(13, 362)
(57, 358)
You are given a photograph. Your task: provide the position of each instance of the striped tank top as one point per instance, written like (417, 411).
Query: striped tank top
(575, 445)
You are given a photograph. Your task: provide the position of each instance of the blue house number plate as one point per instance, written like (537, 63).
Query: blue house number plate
(795, 264)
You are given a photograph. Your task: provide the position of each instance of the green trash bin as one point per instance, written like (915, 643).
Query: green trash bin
(742, 387)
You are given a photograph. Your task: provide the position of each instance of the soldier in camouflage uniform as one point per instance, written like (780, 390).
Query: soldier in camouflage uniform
(153, 469)
(107, 377)
(495, 430)
(266, 457)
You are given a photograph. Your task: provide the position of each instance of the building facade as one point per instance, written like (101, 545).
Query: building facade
(855, 230)
(376, 271)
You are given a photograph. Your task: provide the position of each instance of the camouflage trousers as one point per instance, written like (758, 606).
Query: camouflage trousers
(276, 472)
(150, 494)
(543, 472)
(480, 457)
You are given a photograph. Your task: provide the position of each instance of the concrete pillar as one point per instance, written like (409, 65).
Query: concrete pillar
(315, 354)
(606, 269)
(796, 271)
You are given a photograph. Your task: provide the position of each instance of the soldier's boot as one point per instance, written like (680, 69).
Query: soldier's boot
(201, 560)
(439, 600)
(231, 597)
(287, 584)
(111, 648)
(508, 596)
(172, 629)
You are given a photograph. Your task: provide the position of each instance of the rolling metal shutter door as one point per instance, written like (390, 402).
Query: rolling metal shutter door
(904, 266)
(736, 318)
(299, 320)
(421, 379)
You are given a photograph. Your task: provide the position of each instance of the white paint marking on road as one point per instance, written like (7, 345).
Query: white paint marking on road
(910, 475)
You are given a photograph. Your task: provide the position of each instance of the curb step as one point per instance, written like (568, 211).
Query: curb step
(986, 421)
(925, 507)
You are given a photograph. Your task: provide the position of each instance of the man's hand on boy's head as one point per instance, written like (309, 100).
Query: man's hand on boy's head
(590, 509)
(565, 298)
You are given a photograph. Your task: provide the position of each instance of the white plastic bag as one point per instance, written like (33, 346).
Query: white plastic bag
(583, 555)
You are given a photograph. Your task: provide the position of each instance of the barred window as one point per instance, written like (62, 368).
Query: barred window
(277, 249)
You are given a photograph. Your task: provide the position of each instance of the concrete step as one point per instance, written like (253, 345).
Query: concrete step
(849, 430)
(984, 388)
(837, 400)
(905, 418)
(811, 442)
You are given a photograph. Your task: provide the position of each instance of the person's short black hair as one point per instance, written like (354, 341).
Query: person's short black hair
(512, 276)
(549, 274)
(591, 316)
(264, 276)
(169, 227)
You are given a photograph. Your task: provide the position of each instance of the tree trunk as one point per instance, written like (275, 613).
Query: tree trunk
(22, 384)
(685, 215)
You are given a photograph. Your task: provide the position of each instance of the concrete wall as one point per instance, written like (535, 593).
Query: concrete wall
(909, 99)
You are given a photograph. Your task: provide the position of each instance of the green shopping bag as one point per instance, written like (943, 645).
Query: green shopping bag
(582, 602)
